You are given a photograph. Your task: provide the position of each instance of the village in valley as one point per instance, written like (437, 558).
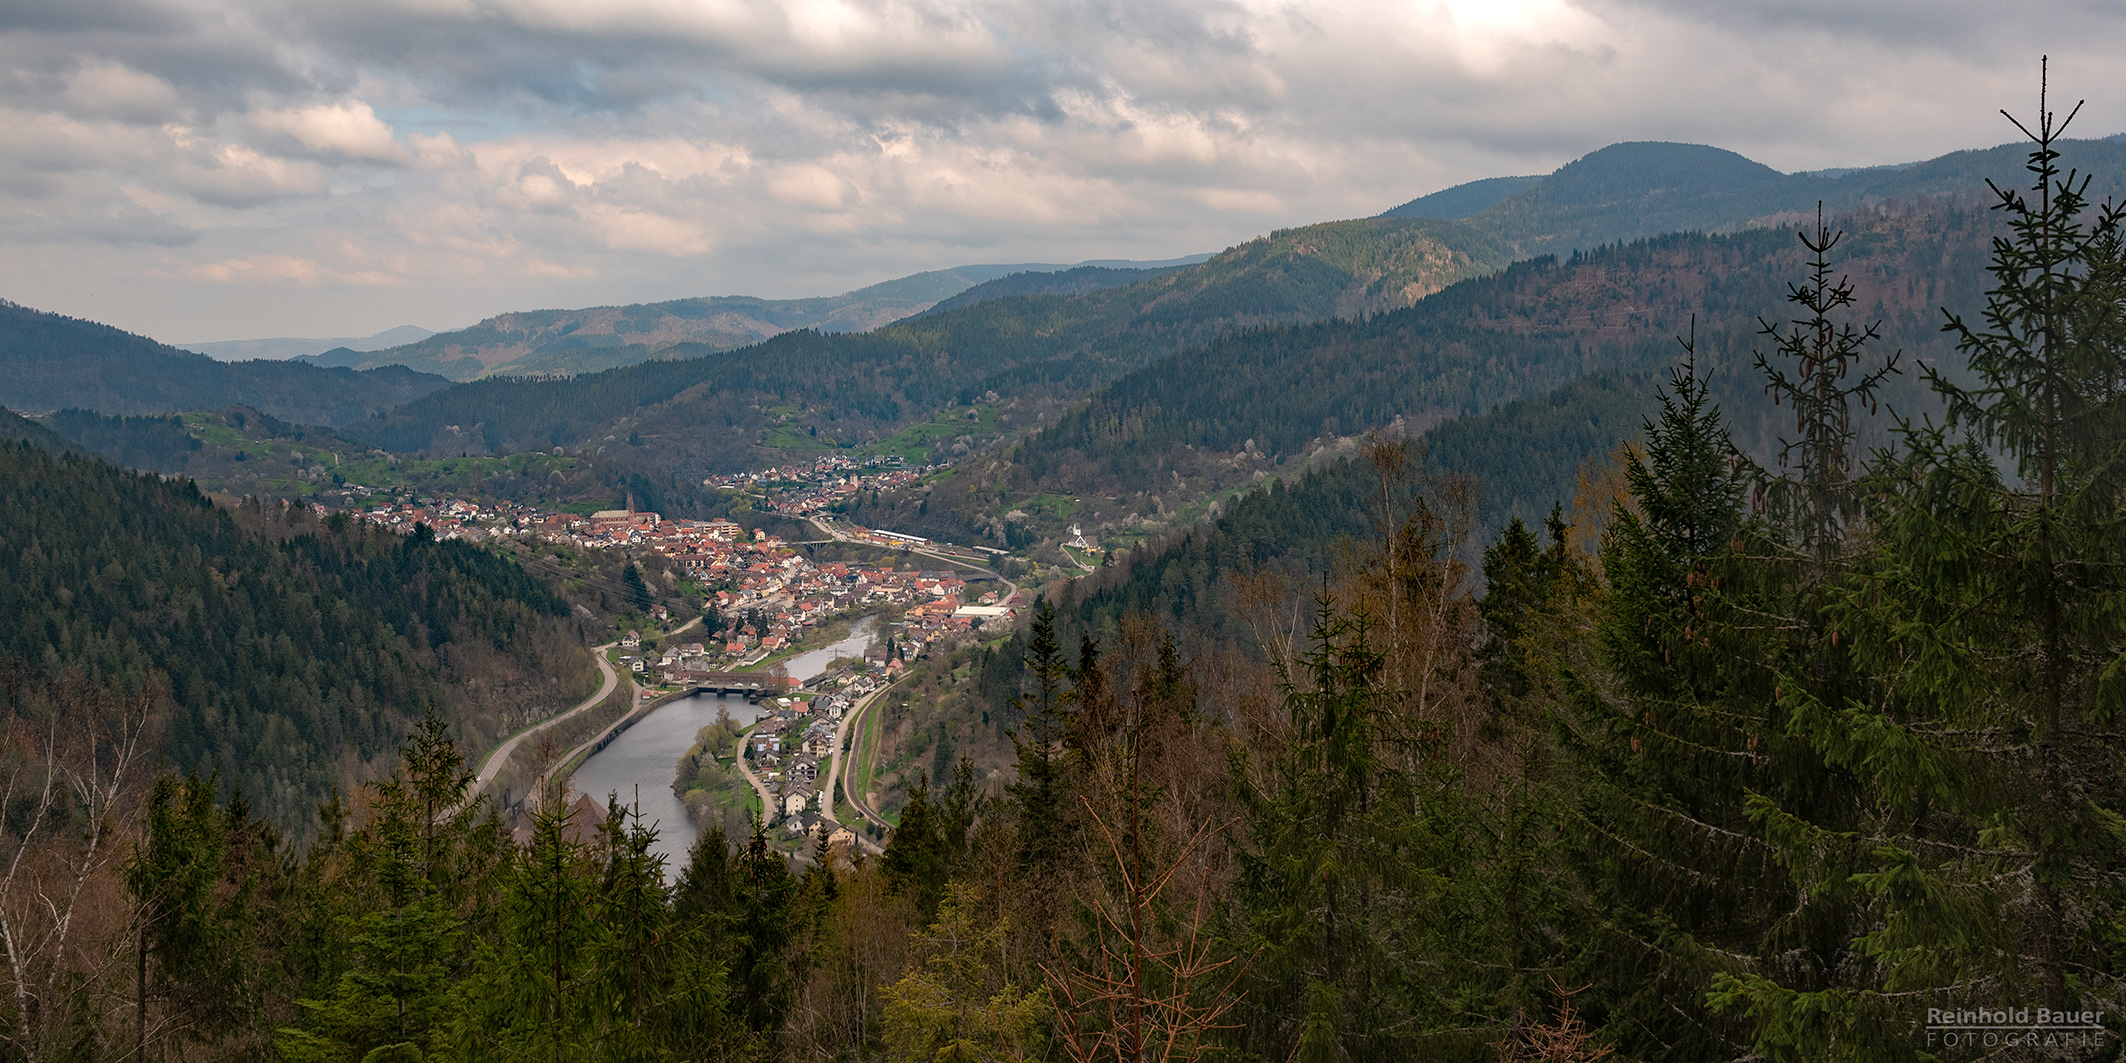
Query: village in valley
(763, 602)
(814, 486)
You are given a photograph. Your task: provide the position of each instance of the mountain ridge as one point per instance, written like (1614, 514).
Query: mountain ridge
(51, 361)
(808, 391)
(1637, 189)
(595, 338)
(1149, 444)
(284, 348)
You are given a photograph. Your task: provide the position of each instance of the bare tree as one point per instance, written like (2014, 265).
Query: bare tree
(1146, 993)
(1145, 980)
(65, 766)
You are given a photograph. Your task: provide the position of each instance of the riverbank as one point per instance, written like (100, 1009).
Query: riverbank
(639, 762)
(710, 784)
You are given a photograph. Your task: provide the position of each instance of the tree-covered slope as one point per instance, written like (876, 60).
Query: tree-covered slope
(239, 451)
(20, 429)
(1077, 281)
(1463, 199)
(50, 362)
(603, 337)
(1208, 419)
(1521, 458)
(809, 391)
(288, 656)
(1634, 190)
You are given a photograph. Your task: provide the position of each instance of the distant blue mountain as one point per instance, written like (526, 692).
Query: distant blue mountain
(282, 347)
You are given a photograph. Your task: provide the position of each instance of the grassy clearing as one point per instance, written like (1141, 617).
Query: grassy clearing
(915, 442)
(867, 743)
(1054, 507)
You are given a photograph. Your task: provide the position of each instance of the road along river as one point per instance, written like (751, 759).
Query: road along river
(640, 762)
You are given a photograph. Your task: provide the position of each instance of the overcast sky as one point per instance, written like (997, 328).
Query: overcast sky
(219, 169)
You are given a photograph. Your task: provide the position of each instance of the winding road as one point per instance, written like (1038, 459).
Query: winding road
(767, 800)
(851, 724)
(851, 728)
(492, 766)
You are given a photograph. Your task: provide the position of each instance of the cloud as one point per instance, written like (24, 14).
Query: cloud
(255, 270)
(348, 129)
(233, 175)
(105, 89)
(437, 160)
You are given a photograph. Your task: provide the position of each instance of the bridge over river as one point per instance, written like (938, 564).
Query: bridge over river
(752, 685)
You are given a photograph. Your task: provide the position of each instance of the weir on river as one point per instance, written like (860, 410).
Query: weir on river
(641, 761)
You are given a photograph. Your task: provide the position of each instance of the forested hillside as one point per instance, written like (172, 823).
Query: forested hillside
(806, 391)
(1731, 759)
(49, 362)
(1076, 281)
(1463, 199)
(602, 337)
(1634, 190)
(239, 451)
(284, 656)
(1215, 417)
(1517, 463)
(14, 426)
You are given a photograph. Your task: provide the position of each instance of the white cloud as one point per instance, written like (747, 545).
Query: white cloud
(257, 270)
(809, 185)
(637, 230)
(348, 129)
(233, 175)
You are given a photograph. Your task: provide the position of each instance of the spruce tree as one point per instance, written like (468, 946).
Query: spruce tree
(638, 590)
(762, 912)
(917, 859)
(1816, 497)
(189, 944)
(631, 966)
(1335, 866)
(1983, 862)
(1040, 794)
(1662, 744)
(698, 1013)
(526, 998)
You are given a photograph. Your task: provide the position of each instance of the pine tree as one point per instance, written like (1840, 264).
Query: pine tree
(917, 860)
(405, 948)
(1983, 861)
(698, 1012)
(631, 977)
(1818, 495)
(525, 997)
(1522, 580)
(185, 941)
(1664, 748)
(411, 882)
(1040, 794)
(1331, 864)
(762, 927)
(638, 589)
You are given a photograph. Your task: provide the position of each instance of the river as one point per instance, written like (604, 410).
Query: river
(647, 754)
